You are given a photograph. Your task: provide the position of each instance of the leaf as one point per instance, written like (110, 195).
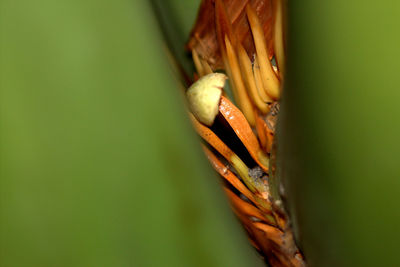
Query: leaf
(339, 131)
(98, 163)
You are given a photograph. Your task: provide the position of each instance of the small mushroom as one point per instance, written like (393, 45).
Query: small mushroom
(204, 96)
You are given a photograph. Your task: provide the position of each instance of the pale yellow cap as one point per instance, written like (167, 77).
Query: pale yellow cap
(204, 96)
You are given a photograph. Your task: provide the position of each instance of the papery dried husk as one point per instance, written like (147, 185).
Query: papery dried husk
(203, 37)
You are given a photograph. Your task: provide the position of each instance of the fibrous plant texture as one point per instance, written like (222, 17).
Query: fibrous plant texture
(246, 41)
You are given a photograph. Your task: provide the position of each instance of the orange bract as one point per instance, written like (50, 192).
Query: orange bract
(211, 138)
(256, 187)
(228, 175)
(245, 207)
(239, 36)
(243, 130)
(224, 171)
(203, 37)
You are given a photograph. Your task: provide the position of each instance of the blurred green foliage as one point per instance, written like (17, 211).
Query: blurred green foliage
(339, 131)
(99, 165)
(176, 19)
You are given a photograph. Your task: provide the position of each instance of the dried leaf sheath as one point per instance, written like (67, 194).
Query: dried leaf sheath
(203, 37)
(244, 39)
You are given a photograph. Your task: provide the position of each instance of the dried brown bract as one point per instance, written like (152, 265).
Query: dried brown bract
(203, 37)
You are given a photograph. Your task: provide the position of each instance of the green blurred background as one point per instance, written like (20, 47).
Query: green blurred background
(339, 132)
(100, 167)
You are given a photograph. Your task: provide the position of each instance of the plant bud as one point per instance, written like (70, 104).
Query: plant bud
(204, 96)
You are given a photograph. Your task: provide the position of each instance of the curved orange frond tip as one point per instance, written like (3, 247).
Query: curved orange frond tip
(261, 202)
(211, 138)
(270, 80)
(257, 235)
(259, 84)
(255, 186)
(223, 25)
(228, 175)
(279, 38)
(223, 28)
(197, 63)
(242, 129)
(236, 80)
(206, 66)
(248, 78)
(243, 206)
(247, 209)
(273, 233)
